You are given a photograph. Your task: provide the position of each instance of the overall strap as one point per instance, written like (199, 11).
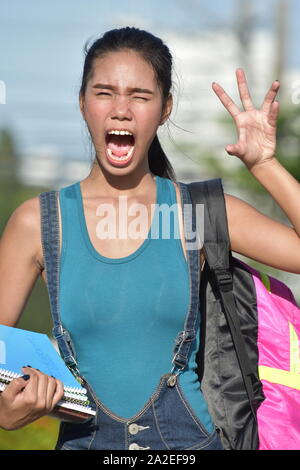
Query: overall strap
(217, 254)
(185, 338)
(51, 246)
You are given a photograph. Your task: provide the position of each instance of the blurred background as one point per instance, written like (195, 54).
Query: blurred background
(43, 141)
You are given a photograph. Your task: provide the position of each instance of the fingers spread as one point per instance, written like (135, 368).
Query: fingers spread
(273, 115)
(244, 90)
(226, 100)
(270, 97)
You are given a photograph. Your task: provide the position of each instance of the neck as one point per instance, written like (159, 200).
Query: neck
(104, 183)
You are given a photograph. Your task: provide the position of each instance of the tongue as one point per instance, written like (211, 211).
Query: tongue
(120, 146)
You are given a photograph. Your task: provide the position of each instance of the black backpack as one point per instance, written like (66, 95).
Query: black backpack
(228, 356)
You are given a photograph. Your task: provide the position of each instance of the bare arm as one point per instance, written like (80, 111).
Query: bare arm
(261, 238)
(19, 270)
(23, 401)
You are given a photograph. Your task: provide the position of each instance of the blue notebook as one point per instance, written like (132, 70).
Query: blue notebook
(20, 348)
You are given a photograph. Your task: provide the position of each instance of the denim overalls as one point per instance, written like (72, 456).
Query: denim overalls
(166, 422)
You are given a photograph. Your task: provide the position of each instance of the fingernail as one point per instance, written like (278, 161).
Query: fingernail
(53, 376)
(25, 377)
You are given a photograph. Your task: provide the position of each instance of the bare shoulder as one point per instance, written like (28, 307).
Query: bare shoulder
(26, 217)
(23, 229)
(19, 260)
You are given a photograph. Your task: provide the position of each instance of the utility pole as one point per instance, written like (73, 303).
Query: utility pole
(281, 39)
(243, 27)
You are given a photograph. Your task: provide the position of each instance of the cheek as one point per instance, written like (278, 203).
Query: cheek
(148, 118)
(96, 110)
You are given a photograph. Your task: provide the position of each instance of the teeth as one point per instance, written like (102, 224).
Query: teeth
(120, 132)
(120, 159)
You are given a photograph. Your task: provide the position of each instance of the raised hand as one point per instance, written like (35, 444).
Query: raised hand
(256, 128)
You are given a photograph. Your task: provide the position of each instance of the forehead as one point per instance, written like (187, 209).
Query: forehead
(124, 68)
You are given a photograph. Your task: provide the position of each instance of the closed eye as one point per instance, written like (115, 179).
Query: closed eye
(136, 97)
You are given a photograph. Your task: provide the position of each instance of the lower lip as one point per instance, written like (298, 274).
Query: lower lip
(117, 162)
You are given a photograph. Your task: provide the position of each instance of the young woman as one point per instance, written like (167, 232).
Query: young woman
(124, 299)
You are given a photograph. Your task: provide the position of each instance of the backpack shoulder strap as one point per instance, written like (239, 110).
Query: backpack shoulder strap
(216, 237)
(217, 253)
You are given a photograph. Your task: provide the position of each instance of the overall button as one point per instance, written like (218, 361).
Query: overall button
(134, 446)
(133, 428)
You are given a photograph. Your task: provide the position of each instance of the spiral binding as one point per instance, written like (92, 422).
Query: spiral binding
(74, 406)
(72, 395)
(9, 374)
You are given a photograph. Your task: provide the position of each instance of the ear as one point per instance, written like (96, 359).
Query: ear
(167, 109)
(81, 105)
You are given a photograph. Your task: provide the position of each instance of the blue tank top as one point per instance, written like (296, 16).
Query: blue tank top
(124, 314)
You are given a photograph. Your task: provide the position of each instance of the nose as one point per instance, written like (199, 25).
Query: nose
(121, 108)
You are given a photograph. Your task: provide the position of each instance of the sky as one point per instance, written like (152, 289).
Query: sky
(41, 54)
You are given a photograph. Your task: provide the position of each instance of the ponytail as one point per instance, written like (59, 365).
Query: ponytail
(158, 162)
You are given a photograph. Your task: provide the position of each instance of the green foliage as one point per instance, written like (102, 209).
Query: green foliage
(40, 435)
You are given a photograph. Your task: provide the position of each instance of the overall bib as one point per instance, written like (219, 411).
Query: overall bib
(166, 421)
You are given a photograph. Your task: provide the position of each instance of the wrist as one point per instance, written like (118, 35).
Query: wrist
(263, 165)
(4, 422)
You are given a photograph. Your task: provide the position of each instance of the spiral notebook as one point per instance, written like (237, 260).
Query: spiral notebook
(20, 348)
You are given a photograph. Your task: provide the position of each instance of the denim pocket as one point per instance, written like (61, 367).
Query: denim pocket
(76, 436)
(63, 447)
(212, 443)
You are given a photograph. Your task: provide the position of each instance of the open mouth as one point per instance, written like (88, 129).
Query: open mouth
(119, 147)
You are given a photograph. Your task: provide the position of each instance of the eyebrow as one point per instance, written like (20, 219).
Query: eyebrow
(132, 90)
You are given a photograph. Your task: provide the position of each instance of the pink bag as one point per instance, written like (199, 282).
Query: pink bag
(279, 364)
(250, 373)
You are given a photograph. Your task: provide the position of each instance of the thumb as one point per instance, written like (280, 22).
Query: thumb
(230, 149)
(16, 386)
(233, 150)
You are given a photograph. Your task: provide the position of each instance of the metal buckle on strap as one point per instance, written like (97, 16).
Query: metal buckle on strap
(177, 363)
(57, 331)
(74, 369)
(185, 336)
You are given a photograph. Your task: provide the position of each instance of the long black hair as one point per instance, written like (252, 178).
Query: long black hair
(155, 52)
